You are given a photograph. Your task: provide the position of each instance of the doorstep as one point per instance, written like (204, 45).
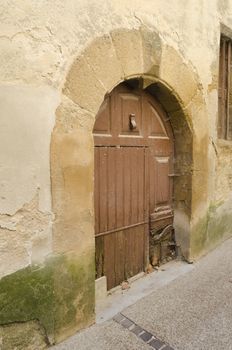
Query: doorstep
(110, 303)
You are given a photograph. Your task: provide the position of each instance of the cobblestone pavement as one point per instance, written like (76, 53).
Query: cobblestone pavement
(192, 312)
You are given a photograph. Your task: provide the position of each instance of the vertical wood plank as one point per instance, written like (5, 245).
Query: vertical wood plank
(120, 240)
(103, 188)
(109, 260)
(223, 92)
(127, 186)
(228, 92)
(140, 185)
(147, 208)
(120, 255)
(230, 96)
(111, 194)
(96, 189)
(134, 171)
(119, 187)
(99, 256)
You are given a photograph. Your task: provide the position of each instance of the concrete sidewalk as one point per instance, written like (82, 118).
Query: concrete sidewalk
(191, 312)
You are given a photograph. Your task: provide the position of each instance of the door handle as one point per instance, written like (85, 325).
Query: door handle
(132, 121)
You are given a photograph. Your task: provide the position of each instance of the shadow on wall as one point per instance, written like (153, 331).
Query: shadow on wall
(183, 143)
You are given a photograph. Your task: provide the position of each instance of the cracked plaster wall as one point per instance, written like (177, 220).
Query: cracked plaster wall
(27, 118)
(25, 237)
(39, 41)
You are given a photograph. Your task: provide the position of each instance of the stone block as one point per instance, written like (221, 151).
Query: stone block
(178, 75)
(70, 116)
(102, 58)
(72, 191)
(129, 50)
(83, 87)
(100, 289)
(152, 48)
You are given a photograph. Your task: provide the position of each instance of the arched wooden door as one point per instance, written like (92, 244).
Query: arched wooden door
(133, 187)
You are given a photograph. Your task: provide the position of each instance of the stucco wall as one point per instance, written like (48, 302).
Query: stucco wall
(39, 44)
(27, 119)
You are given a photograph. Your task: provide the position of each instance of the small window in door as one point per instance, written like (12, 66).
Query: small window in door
(225, 90)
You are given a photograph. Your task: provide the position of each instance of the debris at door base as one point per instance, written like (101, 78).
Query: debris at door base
(162, 245)
(125, 285)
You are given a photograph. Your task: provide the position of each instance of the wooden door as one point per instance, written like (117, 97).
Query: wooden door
(132, 148)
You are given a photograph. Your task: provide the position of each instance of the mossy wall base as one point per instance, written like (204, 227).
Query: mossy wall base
(23, 336)
(214, 227)
(59, 296)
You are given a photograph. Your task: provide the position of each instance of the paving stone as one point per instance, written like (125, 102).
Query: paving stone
(126, 323)
(156, 344)
(146, 336)
(137, 329)
(118, 318)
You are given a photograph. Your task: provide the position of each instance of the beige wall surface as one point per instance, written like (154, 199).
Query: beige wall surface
(27, 119)
(38, 43)
(46, 117)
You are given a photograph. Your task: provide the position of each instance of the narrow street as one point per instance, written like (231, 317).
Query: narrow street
(191, 312)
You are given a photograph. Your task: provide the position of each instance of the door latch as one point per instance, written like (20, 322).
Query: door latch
(174, 175)
(132, 122)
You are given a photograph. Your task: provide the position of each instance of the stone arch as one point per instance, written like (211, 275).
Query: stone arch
(109, 60)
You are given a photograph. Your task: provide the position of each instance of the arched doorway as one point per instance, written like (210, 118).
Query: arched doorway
(134, 152)
(175, 85)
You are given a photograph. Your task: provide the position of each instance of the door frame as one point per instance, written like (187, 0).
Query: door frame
(107, 114)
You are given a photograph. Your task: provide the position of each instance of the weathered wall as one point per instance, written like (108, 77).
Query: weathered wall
(58, 59)
(25, 196)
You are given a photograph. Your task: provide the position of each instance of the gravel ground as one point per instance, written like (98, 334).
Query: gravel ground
(193, 312)
(106, 336)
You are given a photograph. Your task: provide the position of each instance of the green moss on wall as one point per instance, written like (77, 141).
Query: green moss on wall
(199, 236)
(60, 295)
(23, 336)
(74, 282)
(220, 226)
(214, 227)
(27, 295)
